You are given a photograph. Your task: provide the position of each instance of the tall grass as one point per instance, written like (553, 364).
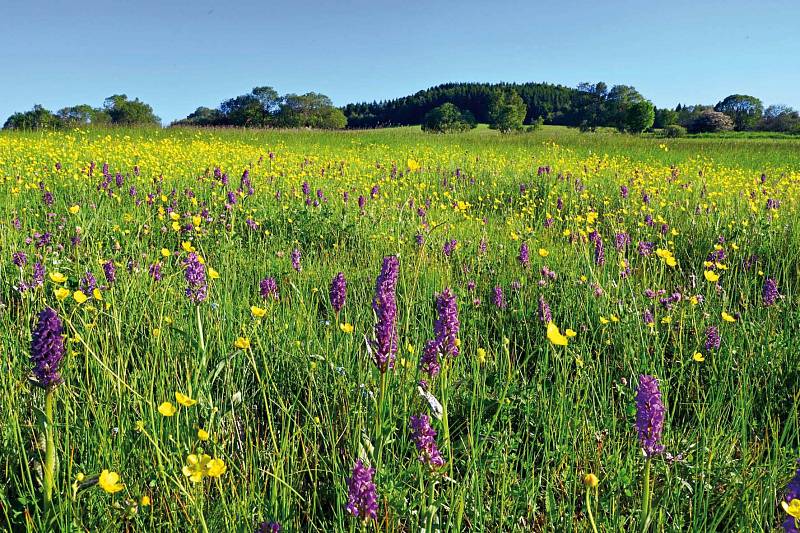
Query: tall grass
(291, 413)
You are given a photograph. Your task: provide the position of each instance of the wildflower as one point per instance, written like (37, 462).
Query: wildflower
(524, 255)
(481, 353)
(167, 409)
(61, 293)
(243, 343)
(144, 501)
(555, 336)
(346, 328)
(791, 504)
(429, 362)
(196, 467)
(649, 415)
(544, 311)
(215, 467)
(269, 288)
(712, 338)
(110, 272)
(257, 312)
(269, 527)
(362, 497)
(184, 400)
(599, 254)
(499, 298)
(202, 434)
(73, 209)
(57, 277)
(770, 292)
(338, 292)
(728, 318)
(197, 289)
(79, 296)
(295, 257)
(424, 437)
(698, 357)
(590, 480)
(109, 482)
(711, 276)
(384, 303)
(449, 247)
(447, 324)
(47, 349)
(543, 252)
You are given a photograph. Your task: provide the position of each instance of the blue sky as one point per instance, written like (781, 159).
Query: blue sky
(177, 55)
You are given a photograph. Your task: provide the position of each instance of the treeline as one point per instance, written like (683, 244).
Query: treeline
(263, 107)
(556, 103)
(117, 110)
(739, 112)
(444, 108)
(587, 106)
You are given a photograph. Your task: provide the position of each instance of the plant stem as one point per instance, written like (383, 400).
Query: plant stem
(50, 450)
(589, 508)
(646, 497)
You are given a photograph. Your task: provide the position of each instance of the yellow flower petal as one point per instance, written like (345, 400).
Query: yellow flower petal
(555, 336)
(167, 409)
(184, 400)
(109, 482)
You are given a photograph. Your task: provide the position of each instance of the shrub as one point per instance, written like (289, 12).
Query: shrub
(673, 130)
(711, 122)
(447, 118)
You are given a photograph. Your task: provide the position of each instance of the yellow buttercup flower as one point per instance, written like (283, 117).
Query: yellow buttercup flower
(346, 328)
(144, 501)
(73, 209)
(79, 296)
(792, 508)
(109, 482)
(543, 252)
(213, 274)
(57, 277)
(184, 400)
(481, 356)
(258, 312)
(711, 276)
(570, 333)
(698, 357)
(97, 294)
(61, 294)
(202, 434)
(165, 252)
(216, 467)
(555, 336)
(590, 480)
(242, 343)
(167, 409)
(727, 318)
(195, 467)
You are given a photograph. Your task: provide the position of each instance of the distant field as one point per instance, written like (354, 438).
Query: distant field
(500, 298)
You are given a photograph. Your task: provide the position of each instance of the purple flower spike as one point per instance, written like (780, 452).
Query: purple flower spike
(269, 289)
(384, 303)
(47, 349)
(338, 292)
(197, 289)
(362, 496)
(447, 324)
(649, 415)
(424, 437)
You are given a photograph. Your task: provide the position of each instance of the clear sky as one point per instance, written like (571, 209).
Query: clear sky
(179, 54)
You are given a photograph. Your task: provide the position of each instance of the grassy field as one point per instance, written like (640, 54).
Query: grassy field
(194, 398)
